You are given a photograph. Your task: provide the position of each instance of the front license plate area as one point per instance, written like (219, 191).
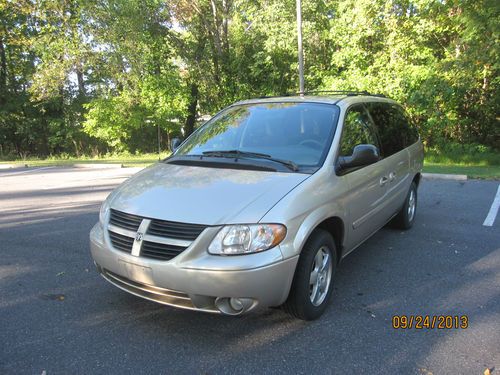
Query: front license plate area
(138, 273)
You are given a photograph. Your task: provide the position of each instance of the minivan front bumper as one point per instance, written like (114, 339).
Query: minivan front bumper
(195, 279)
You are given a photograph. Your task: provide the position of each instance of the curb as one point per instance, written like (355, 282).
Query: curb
(97, 165)
(78, 165)
(442, 176)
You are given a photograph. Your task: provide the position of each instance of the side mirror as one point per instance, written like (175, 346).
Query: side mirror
(174, 144)
(362, 155)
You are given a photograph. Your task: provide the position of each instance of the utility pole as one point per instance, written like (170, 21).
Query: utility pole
(301, 52)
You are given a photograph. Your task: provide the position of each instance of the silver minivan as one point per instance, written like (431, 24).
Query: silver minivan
(259, 205)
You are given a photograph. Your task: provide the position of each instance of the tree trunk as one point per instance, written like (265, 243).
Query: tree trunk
(3, 72)
(77, 150)
(226, 4)
(216, 33)
(81, 82)
(193, 104)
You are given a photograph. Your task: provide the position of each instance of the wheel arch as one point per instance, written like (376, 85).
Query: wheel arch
(417, 178)
(329, 218)
(335, 226)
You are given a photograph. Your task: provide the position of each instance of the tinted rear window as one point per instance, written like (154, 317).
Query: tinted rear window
(394, 128)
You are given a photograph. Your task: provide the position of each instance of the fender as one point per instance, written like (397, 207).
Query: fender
(314, 219)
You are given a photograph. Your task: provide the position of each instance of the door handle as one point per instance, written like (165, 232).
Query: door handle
(392, 176)
(383, 181)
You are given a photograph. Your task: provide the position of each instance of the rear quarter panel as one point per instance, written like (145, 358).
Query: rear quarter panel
(416, 156)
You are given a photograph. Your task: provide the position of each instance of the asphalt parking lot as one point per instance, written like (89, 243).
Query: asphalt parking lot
(57, 315)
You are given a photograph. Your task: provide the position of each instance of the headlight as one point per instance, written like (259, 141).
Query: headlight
(103, 213)
(244, 239)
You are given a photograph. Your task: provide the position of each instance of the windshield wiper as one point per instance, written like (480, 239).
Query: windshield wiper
(257, 155)
(231, 153)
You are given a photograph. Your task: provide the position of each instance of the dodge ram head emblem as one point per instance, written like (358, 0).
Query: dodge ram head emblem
(138, 236)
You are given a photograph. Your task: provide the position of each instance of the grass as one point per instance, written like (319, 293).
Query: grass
(471, 171)
(464, 160)
(474, 165)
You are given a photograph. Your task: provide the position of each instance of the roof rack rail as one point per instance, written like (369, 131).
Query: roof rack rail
(276, 96)
(346, 92)
(313, 92)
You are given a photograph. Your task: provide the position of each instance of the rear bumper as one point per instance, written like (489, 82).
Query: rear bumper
(195, 279)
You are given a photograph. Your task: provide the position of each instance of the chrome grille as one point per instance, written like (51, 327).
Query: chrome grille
(123, 220)
(162, 240)
(160, 251)
(121, 242)
(172, 229)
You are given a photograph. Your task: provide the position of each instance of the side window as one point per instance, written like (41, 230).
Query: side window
(408, 132)
(393, 127)
(358, 129)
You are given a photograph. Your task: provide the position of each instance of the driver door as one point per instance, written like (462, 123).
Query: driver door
(367, 187)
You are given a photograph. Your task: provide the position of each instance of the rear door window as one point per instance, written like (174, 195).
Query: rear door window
(408, 131)
(393, 127)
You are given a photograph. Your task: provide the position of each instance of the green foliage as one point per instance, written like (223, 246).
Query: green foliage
(93, 76)
(439, 58)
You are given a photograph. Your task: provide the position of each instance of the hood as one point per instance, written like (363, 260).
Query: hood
(199, 195)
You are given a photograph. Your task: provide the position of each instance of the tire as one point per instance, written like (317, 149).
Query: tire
(405, 218)
(309, 295)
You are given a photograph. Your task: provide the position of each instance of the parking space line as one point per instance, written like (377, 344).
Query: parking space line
(492, 214)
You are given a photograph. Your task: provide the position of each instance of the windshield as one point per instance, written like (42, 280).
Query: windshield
(300, 133)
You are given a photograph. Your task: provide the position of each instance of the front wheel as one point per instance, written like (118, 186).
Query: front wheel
(405, 218)
(313, 280)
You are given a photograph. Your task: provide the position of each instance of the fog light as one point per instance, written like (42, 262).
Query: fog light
(236, 304)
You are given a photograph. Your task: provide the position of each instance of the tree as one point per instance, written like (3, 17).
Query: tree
(92, 76)
(138, 84)
(436, 57)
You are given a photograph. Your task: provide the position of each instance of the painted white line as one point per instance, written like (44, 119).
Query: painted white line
(31, 170)
(490, 219)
